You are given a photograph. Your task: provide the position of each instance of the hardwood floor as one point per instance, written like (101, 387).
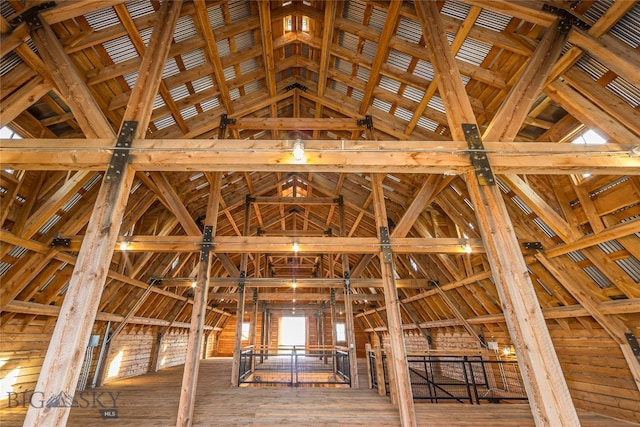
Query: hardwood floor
(152, 400)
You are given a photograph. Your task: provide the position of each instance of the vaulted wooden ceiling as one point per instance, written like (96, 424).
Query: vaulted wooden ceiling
(357, 82)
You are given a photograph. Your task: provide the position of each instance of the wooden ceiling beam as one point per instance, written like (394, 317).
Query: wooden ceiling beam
(211, 51)
(322, 156)
(71, 85)
(295, 123)
(279, 244)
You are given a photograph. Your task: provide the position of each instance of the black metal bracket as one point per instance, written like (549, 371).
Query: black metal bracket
(31, 16)
(225, 120)
(58, 242)
(333, 296)
(385, 243)
(479, 158)
(339, 200)
(633, 343)
(120, 156)
(367, 121)
(243, 276)
(533, 246)
(567, 19)
(296, 85)
(249, 199)
(206, 246)
(328, 232)
(255, 296)
(347, 282)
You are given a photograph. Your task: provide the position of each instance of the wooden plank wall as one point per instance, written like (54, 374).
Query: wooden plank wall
(173, 348)
(22, 351)
(129, 355)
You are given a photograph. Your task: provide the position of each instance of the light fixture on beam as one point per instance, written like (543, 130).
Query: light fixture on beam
(124, 245)
(298, 150)
(467, 248)
(295, 247)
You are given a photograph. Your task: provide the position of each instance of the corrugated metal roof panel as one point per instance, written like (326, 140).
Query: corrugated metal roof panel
(249, 66)
(409, 30)
(138, 8)
(210, 104)
(354, 10)
(244, 40)
(473, 51)
(436, 103)
(188, 112)
(413, 93)
(6, 10)
(339, 87)
(216, 19)
(252, 87)
(363, 73)
(158, 102)
(369, 49)
(493, 20)
(377, 18)
(358, 95)
(427, 123)
(9, 62)
(131, 78)
(347, 41)
(179, 92)
(455, 9)
(399, 60)
(631, 266)
(601, 280)
(185, 29)
(120, 49)
(389, 84)
(403, 114)
(101, 18)
(170, 68)
(223, 48)
(239, 10)
(203, 83)
(424, 69)
(234, 94)
(193, 59)
(627, 29)
(626, 91)
(164, 122)
(343, 65)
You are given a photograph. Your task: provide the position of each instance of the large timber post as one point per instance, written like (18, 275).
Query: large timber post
(398, 356)
(199, 312)
(548, 393)
(244, 260)
(348, 305)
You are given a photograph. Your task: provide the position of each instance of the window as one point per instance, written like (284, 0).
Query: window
(341, 332)
(245, 331)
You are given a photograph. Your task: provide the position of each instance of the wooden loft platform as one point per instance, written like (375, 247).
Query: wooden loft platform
(151, 400)
(470, 182)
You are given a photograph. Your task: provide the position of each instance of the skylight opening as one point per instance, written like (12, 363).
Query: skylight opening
(590, 137)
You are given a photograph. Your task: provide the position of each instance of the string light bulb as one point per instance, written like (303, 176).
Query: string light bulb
(298, 150)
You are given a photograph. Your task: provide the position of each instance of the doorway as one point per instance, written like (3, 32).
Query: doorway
(293, 332)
